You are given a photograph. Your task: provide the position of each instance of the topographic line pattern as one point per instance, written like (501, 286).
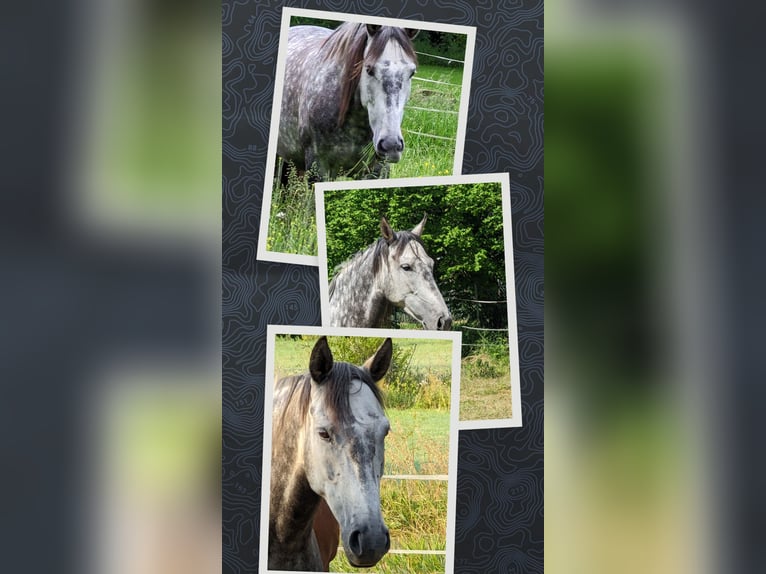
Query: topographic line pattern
(499, 525)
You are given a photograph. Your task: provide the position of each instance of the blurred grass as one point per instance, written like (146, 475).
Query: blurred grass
(615, 450)
(154, 151)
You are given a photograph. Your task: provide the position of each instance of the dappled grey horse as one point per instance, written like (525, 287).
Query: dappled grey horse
(328, 446)
(395, 271)
(343, 98)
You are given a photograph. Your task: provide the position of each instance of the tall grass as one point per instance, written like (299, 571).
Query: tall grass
(485, 381)
(424, 155)
(292, 219)
(292, 223)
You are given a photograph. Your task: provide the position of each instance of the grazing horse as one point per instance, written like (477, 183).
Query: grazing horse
(328, 444)
(344, 93)
(395, 271)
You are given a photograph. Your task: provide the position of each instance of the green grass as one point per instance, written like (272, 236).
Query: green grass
(484, 398)
(427, 156)
(292, 217)
(418, 442)
(393, 564)
(292, 221)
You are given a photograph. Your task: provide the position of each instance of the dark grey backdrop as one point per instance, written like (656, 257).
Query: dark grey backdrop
(500, 471)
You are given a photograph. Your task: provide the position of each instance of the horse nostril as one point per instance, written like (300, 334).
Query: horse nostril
(355, 542)
(444, 324)
(389, 144)
(388, 540)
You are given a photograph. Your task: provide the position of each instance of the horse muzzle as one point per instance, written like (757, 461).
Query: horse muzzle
(366, 546)
(442, 323)
(390, 148)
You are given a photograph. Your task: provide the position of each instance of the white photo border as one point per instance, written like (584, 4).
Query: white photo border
(515, 420)
(271, 332)
(263, 254)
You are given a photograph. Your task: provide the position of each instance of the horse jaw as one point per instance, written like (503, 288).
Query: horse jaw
(432, 314)
(412, 287)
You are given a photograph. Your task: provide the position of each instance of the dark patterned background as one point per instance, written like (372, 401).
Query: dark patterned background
(500, 471)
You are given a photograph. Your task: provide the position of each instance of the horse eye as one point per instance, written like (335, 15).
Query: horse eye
(406, 267)
(412, 73)
(370, 70)
(324, 435)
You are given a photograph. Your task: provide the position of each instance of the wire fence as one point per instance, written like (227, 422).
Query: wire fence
(431, 109)
(450, 60)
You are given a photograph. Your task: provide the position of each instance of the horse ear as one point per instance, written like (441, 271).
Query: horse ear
(418, 229)
(378, 364)
(385, 230)
(320, 363)
(373, 29)
(411, 32)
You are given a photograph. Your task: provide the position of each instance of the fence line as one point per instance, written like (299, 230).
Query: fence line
(416, 476)
(404, 551)
(436, 82)
(479, 301)
(431, 110)
(430, 552)
(440, 57)
(429, 135)
(481, 328)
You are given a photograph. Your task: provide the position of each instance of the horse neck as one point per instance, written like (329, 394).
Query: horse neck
(357, 299)
(293, 503)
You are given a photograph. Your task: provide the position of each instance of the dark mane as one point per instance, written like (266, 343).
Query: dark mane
(346, 46)
(337, 403)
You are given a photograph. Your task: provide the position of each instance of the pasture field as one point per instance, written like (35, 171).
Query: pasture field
(292, 221)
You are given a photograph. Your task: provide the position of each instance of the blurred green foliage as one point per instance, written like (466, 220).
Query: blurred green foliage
(600, 190)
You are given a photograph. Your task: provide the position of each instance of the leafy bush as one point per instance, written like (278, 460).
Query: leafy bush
(400, 387)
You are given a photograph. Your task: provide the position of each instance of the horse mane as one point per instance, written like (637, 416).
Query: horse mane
(379, 251)
(338, 382)
(346, 46)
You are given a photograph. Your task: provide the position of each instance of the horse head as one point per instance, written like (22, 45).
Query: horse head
(344, 448)
(384, 86)
(410, 283)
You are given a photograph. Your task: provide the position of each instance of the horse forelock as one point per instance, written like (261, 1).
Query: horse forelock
(338, 388)
(347, 45)
(400, 242)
